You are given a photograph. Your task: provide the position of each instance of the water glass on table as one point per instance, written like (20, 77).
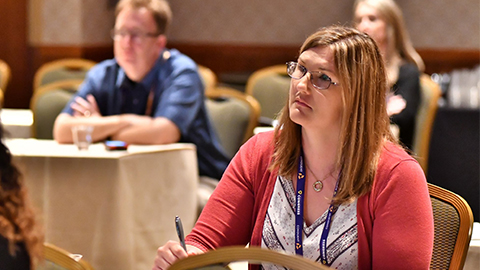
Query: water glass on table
(82, 136)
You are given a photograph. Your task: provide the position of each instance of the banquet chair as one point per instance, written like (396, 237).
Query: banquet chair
(453, 224)
(270, 87)
(209, 78)
(60, 259)
(234, 115)
(430, 93)
(46, 104)
(5, 74)
(62, 69)
(216, 259)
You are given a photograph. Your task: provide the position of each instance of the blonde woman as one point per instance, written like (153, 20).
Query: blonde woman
(330, 183)
(21, 240)
(383, 21)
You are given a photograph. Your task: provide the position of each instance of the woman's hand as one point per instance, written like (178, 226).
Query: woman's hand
(395, 104)
(170, 253)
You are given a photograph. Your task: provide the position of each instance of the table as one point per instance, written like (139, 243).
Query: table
(113, 207)
(454, 156)
(17, 122)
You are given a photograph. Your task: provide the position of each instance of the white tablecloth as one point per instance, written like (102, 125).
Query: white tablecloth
(113, 207)
(17, 123)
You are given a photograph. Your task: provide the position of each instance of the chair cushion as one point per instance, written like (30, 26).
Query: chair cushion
(271, 92)
(48, 265)
(63, 74)
(225, 114)
(445, 216)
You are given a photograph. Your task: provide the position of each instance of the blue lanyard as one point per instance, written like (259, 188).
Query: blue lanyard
(299, 207)
(299, 215)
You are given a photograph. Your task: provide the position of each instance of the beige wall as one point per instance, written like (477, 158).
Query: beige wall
(432, 23)
(70, 22)
(282, 22)
(443, 23)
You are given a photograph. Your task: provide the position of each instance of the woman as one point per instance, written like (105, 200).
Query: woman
(383, 21)
(21, 241)
(332, 147)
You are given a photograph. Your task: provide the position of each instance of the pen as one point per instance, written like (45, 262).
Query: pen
(179, 227)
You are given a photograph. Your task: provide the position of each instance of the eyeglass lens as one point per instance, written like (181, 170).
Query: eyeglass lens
(318, 79)
(136, 36)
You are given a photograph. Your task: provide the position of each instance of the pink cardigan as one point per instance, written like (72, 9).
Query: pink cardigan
(395, 220)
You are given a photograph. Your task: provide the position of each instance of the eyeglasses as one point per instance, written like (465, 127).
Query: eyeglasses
(136, 36)
(318, 79)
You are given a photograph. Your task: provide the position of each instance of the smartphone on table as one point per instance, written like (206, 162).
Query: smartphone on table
(115, 145)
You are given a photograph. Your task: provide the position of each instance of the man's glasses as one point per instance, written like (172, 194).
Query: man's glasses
(136, 36)
(318, 79)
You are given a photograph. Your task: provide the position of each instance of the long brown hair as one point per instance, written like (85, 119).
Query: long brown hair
(397, 34)
(365, 123)
(17, 218)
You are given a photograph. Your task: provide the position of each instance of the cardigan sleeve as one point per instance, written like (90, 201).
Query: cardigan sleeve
(402, 233)
(228, 218)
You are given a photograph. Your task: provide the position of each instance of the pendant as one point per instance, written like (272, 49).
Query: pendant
(318, 186)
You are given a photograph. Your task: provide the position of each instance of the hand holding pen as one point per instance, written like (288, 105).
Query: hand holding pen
(171, 249)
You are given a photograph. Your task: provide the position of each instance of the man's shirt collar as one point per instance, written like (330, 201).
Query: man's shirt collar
(149, 79)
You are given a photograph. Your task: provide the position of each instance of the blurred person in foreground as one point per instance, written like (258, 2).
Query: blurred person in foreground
(21, 239)
(147, 94)
(331, 160)
(383, 21)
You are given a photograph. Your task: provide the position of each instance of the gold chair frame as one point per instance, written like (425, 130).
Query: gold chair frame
(74, 63)
(276, 69)
(441, 254)
(64, 258)
(2, 97)
(66, 84)
(6, 75)
(251, 254)
(430, 93)
(209, 78)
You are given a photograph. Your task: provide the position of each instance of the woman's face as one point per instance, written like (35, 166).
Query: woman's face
(368, 20)
(309, 106)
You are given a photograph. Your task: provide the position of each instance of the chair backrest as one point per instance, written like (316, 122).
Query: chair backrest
(209, 78)
(255, 255)
(60, 259)
(270, 87)
(5, 74)
(453, 223)
(46, 104)
(62, 69)
(430, 93)
(234, 116)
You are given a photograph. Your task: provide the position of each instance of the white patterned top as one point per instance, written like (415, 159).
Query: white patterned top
(279, 230)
